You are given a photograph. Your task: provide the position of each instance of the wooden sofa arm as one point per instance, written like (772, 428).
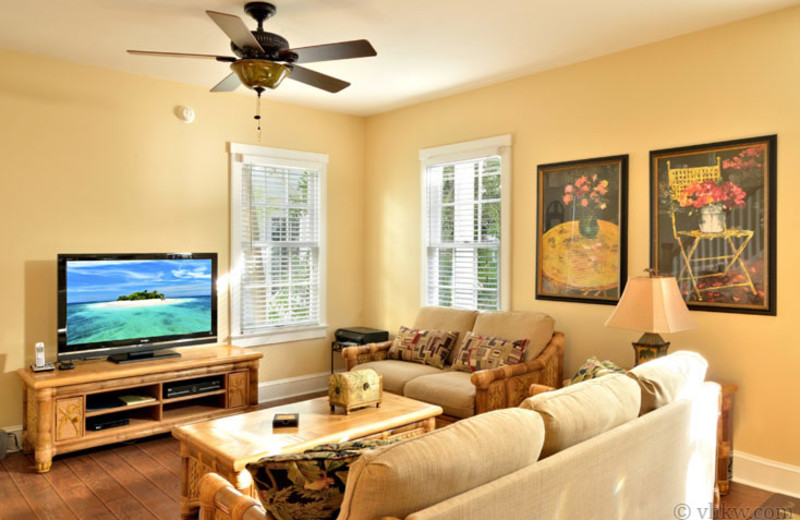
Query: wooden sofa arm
(508, 386)
(364, 353)
(219, 500)
(537, 389)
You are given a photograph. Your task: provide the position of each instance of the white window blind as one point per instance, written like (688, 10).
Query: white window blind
(279, 246)
(464, 229)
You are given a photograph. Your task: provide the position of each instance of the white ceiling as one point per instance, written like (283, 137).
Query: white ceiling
(426, 49)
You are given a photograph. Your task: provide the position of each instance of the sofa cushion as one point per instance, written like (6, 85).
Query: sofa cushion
(451, 390)
(665, 379)
(593, 368)
(397, 373)
(446, 318)
(430, 347)
(579, 412)
(536, 327)
(486, 352)
(308, 485)
(412, 475)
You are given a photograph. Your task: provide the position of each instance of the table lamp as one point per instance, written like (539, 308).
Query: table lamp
(652, 304)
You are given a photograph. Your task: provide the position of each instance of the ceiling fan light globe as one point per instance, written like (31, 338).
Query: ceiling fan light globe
(260, 73)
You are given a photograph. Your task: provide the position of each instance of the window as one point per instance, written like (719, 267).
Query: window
(277, 245)
(466, 219)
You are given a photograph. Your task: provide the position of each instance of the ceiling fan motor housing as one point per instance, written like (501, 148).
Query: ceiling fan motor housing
(272, 43)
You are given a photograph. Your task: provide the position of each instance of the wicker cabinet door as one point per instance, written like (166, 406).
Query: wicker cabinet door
(69, 418)
(238, 389)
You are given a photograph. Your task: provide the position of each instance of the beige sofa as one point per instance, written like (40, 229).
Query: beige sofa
(637, 445)
(462, 394)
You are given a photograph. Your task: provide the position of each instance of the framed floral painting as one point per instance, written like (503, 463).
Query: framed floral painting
(712, 223)
(581, 237)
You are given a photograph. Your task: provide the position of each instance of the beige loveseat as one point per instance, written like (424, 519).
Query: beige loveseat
(633, 446)
(463, 394)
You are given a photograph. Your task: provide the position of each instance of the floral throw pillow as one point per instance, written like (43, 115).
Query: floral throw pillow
(430, 347)
(593, 368)
(485, 352)
(308, 485)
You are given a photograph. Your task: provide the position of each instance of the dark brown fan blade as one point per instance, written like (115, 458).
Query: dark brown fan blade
(317, 79)
(229, 84)
(334, 51)
(182, 55)
(236, 30)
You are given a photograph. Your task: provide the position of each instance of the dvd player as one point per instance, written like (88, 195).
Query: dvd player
(103, 424)
(183, 388)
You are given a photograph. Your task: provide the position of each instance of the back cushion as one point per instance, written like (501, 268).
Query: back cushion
(430, 347)
(536, 327)
(579, 412)
(445, 318)
(417, 473)
(667, 378)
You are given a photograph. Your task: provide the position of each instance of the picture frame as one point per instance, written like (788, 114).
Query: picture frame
(713, 223)
(582, 217)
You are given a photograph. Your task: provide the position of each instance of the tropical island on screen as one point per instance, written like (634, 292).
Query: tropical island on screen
(141, 299)
(105, 300)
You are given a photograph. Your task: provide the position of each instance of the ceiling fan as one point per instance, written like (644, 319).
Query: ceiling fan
(264, 59)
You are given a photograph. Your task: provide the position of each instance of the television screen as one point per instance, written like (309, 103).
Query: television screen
(114, 301)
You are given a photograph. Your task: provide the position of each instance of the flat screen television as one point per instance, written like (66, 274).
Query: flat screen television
(130, 307)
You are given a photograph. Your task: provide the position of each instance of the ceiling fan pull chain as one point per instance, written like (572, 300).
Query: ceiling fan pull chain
(258, 114)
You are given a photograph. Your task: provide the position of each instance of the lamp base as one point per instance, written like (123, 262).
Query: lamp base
(649, 346)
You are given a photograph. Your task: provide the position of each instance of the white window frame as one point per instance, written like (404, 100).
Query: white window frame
(491, 146)
(241, 154)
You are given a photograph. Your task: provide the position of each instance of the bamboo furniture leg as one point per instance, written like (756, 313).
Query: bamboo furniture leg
(44, 437)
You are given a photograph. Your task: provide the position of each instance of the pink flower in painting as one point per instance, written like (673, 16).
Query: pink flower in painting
(747, 158)
(586, 192)
(699, 194)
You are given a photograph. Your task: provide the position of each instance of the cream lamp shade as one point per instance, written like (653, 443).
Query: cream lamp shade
(652, 305)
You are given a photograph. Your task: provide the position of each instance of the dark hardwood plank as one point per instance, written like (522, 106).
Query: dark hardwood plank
(80, 499)
(115, 497)
(45, 502)
(12, 503)
(165, 450)
(151, 496)
(152, 470)
(289, 400)
(741, 497)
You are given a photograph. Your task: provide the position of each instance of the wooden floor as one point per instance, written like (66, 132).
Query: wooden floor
(138, 480)
(141, 480)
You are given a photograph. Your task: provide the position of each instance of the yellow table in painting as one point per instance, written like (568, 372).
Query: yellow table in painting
(572, 261)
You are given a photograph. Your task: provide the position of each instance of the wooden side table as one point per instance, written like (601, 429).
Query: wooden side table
(725, 438)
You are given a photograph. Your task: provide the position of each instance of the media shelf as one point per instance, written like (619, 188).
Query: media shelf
(62, 407)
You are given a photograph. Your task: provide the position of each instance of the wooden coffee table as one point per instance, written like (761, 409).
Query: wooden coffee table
(226, 445)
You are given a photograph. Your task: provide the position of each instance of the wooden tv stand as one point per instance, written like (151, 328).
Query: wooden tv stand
(61, 407)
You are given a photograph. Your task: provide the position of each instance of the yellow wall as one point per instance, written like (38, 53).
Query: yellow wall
(734, 81)
(93, 160)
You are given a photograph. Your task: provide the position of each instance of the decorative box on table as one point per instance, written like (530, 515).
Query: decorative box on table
(355, 389)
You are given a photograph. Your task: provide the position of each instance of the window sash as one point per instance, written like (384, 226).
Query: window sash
(463, 232)
(279, 238)
(277, 245)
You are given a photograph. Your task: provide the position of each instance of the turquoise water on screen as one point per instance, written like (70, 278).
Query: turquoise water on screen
(93, 322)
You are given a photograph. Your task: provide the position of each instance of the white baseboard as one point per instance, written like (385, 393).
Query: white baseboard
(292, 386)
(767, 474)
(16, 431)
